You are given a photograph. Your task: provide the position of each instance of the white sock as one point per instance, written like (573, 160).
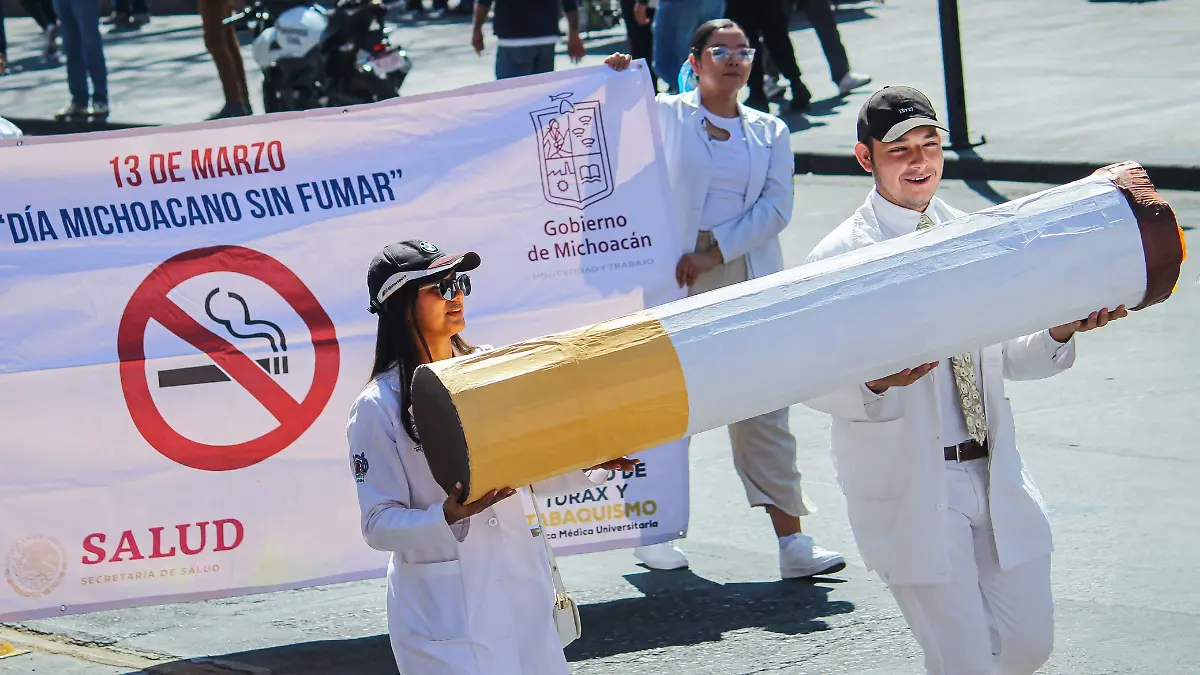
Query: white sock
(784, 541)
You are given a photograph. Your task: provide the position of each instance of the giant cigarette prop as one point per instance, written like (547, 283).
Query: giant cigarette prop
(542, 407)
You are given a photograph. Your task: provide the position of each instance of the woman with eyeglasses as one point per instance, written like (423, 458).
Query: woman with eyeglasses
(731, 169)
(469, 590)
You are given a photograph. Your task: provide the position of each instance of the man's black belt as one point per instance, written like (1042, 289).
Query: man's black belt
(965, 452)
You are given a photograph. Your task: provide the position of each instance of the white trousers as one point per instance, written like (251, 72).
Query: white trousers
(985, 621)
(764, 449)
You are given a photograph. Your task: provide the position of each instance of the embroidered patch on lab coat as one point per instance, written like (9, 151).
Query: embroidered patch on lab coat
(360, 467)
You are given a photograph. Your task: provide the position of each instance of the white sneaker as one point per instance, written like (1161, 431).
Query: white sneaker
(852, 81)
(664, 556)
(802, 558)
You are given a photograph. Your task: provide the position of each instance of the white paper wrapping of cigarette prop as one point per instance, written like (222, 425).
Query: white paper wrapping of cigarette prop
(540, 408)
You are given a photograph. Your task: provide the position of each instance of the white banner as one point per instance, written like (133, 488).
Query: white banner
(183, 324)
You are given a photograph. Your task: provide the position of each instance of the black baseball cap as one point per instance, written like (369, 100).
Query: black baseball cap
(892, 112)
(405, 261)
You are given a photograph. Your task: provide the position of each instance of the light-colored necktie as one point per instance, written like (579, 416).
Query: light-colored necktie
(965, 380)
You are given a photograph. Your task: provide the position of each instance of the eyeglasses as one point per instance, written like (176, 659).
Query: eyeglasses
(724, 54)
(450, 286)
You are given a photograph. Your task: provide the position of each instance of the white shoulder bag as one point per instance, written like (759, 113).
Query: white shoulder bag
(566, 612)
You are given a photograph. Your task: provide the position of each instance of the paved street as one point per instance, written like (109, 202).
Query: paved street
(1067, 81)
(1109, 443)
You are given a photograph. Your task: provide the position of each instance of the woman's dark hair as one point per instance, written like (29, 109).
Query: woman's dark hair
(705, 32)
(400, 344)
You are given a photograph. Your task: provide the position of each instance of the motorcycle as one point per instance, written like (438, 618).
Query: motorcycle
(315, 57)
(259, 15)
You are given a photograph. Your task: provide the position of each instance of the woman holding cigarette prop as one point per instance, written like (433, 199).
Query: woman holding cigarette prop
(470, 591)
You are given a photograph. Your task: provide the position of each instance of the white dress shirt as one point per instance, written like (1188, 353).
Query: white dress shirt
(897, 221)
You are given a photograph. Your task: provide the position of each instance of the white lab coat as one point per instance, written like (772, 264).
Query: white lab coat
(474, 599)
(887, 450)
(768, 206)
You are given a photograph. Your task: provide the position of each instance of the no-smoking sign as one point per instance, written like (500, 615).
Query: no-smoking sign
(228, 363)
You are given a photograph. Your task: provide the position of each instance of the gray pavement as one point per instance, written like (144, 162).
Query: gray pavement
(1110, 443)
(1068, 81)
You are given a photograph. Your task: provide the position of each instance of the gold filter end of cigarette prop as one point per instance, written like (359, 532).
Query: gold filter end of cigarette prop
(1163, 243)
(543, 407)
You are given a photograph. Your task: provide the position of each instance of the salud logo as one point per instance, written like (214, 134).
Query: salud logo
(36, 566)
(572, 152)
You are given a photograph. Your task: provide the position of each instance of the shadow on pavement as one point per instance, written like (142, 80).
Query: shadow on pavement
(984, 189)
(361, 656)
(34, 62)
(826, 106)
(679, 608)
(799, 121)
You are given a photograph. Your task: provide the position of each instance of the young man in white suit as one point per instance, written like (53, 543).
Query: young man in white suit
(939, 500)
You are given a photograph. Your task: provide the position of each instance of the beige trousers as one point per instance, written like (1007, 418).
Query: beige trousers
(764, 450)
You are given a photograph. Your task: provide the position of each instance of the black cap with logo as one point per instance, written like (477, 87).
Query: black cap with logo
(892, 112)
(405, 261)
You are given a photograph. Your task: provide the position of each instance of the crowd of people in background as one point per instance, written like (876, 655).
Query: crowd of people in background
(658, 31)
(527, 35)
(77, 23)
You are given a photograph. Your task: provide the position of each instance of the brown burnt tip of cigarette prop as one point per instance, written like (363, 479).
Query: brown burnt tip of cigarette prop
(442, 435)
(1162, 238)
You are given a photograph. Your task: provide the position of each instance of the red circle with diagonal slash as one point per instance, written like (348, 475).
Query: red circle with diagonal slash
(150, 301)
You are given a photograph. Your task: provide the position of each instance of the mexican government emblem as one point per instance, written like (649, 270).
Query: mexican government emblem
(36, 566)
(573, 154)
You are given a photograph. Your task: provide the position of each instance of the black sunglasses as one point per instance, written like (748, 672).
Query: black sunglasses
(450, 286)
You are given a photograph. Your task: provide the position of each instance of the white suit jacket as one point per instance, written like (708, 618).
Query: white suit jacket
(472, 599)
(888, 451)
(768, 206)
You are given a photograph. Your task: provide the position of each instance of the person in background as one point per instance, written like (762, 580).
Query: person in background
(820, 15)
(767, 20)
(469, 590)
(527, 34)
(42, 12)
(3, 43)
(128, 14)
(221, 41)
(79, 22)
(640, 36)
(674, 23)
(730, 169)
